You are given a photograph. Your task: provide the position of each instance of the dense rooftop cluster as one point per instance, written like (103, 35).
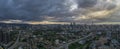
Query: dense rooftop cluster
(56, 36)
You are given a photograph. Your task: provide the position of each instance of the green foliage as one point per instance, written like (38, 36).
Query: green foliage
(75, 45)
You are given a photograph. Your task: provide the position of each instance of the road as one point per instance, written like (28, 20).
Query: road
(67, 44)
(16, 42)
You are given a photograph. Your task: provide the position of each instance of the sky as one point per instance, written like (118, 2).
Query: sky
(59, 11)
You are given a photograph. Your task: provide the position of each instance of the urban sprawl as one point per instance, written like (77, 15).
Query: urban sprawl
(59, 36)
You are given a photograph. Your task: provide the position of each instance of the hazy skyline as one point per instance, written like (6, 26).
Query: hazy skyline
(59, 11)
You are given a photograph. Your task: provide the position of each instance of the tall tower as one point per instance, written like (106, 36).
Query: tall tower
(92, 20)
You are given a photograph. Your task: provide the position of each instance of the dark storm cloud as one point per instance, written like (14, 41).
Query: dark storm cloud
(110, 6)
(30, 9)
(86, 3)
(37, 10)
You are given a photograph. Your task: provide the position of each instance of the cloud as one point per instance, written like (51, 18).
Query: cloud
(86, 3)
(57, 10)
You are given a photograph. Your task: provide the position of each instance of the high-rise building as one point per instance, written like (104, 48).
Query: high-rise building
(116, 36)
(5, 37)
(1, 36)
